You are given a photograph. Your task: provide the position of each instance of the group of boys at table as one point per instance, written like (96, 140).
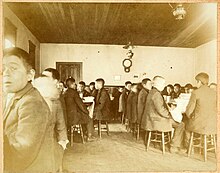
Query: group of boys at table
(151, 111)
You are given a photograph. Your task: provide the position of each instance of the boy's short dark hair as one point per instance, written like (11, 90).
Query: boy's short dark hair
(134, 84)
(144, 81)
(158, 77)
(82, 83)
(21, 54)
(203, 77)
(64, 85)
(55, 73)
(92, 83)
(70, 81)
(213, 84)
(101, 80)
(188, 86)
(177, 85)
(127, 82)
(171, 86)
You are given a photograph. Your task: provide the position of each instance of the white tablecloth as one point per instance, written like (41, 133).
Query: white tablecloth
(91, 102)
(182, 103)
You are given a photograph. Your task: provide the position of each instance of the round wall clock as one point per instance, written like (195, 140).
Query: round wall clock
(127, 63)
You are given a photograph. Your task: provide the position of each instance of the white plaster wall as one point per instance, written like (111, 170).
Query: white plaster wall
(106, 61)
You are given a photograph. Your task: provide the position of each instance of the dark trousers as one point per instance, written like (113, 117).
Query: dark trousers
(88, 128)
(186, 140)
(179, 133)
(187, 133)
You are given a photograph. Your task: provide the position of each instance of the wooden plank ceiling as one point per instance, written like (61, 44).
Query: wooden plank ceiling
(146, 24)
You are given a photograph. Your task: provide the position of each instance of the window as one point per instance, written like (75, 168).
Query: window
(8, 43)
(10, 32)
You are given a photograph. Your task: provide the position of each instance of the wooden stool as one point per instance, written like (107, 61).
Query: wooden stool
(122, 118)
(204, 142)
(100, 129)
(165, 138)
(138, 132)
(78, 129)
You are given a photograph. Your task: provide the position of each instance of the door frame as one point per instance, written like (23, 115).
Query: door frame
(78, 63)
(32, 45)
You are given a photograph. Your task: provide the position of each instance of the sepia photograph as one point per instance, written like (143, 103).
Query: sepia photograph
(89, 86)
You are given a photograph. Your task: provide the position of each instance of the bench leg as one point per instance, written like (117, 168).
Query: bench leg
(205, 148)
(149, 140)
(138, 131)
(169, 137)
(122, 118)
(190, 144)
(99, 129)
(200, 149)
(163, 143)
(107, 128)
(71, 135)
(81, 133)
(215, 145)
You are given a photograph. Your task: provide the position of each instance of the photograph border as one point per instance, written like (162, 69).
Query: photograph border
(118, 1)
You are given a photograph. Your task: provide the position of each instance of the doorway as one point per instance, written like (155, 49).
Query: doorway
(70, 69)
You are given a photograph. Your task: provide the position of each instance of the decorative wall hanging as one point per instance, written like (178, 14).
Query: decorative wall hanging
(127, 62)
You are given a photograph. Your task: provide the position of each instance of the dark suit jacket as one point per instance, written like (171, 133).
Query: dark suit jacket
(115, 102)
(102, 107)
(124, 96)
(62, 100)
(57, 128)
(156, 115)
(94, 93)
(76, 110)
(27, 140)
(142, 98)
(202, 111)
(132, 107)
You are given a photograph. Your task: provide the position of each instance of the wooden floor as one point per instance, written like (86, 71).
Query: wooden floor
(121, 152)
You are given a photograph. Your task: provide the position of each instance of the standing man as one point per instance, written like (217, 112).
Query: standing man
(124, 97)
(202, 108)
(53, 98)
(115, 103)
(102, 106)
(142, 97)
(54, 75)
(27, 141)
(132, 107)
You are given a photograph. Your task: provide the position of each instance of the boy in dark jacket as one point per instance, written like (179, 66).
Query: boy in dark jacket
(132, 114)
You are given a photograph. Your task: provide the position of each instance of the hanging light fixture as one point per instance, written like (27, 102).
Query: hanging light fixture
(129, 46)
(179, 12)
